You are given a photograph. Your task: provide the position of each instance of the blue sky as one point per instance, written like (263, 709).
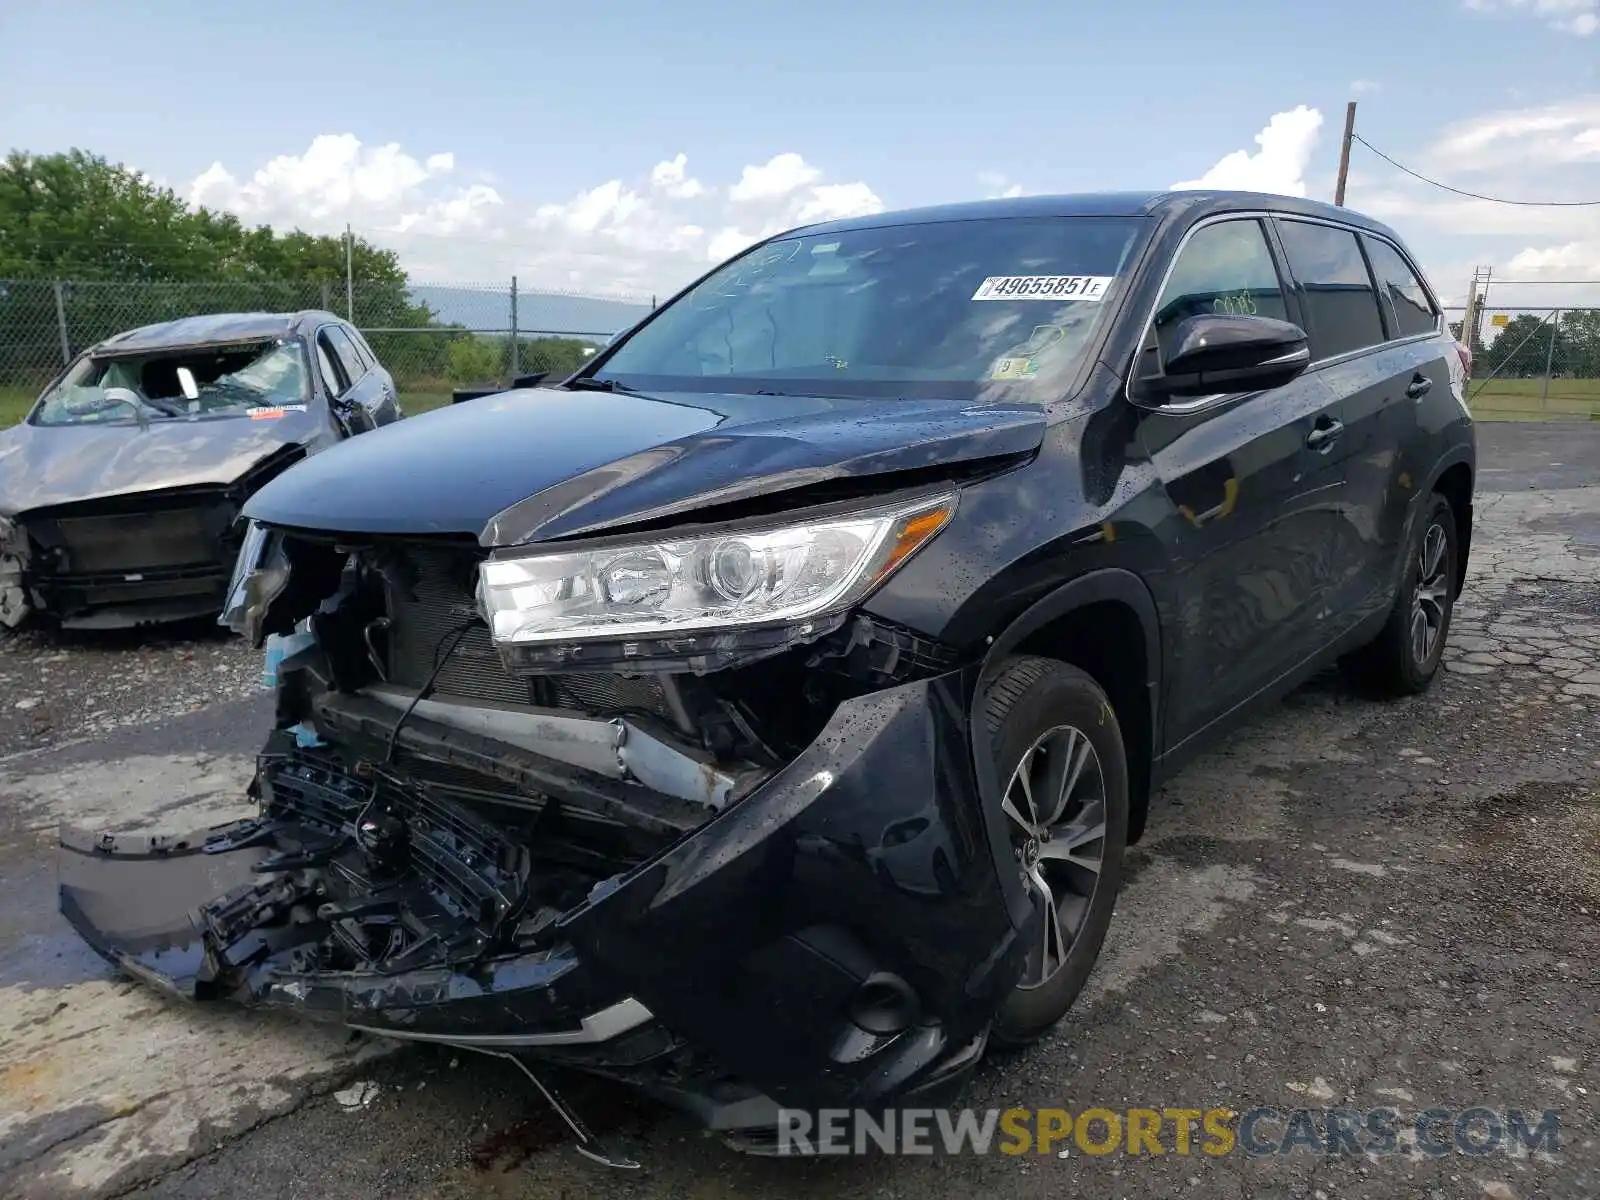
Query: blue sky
(481, 139)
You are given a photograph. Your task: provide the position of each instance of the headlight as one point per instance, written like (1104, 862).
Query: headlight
(711, 585)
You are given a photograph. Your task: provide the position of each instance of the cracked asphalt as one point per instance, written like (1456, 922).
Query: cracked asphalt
(1349, 904)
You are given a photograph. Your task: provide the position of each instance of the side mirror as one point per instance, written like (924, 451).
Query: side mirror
(1214, 354)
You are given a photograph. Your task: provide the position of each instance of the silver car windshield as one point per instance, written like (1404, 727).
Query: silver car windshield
(175, 384)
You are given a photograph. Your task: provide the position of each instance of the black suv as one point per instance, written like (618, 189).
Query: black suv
(761, 715)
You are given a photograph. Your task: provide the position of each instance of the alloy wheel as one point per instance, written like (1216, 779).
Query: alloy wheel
(1056, 803)
(1430, 599)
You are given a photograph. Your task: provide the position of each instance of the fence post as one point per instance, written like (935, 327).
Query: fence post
(61, 323)
(1549, 360)
(516, 351)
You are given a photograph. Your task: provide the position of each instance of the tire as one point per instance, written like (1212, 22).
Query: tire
(1402, 660)
(1048, 711)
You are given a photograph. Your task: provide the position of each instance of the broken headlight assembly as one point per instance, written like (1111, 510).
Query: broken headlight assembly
(701, 601)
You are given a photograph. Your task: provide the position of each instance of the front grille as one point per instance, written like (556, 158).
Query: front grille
(132, 534)
(97, 544)
(424, 624)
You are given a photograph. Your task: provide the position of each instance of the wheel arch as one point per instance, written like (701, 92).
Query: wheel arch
(1103, 622)
(1453, 479)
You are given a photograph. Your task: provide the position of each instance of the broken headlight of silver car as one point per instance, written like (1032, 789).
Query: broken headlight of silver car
(14, 606)
(699, 599)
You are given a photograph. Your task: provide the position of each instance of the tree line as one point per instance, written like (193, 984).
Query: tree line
(1528, 342)
(77, 216)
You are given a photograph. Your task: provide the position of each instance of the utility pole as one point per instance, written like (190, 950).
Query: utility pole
(1344, 152)
(349, 276)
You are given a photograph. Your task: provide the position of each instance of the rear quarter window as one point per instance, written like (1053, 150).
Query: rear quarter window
(1408, 299)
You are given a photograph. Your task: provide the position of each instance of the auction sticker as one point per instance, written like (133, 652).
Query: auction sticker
(1043, 287)
(272, 414)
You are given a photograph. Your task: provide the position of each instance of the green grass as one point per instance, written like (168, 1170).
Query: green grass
(14, 404)
(1526, 399)
(412, 403)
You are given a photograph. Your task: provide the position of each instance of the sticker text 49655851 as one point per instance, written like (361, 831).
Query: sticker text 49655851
(1043, 287)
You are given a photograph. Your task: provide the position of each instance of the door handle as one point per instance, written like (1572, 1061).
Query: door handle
(1418, 387)
(1326, 433)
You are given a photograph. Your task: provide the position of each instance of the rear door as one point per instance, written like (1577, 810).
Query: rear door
(1233, 468)
(1418, 361)
(364, 396)
(1355, 464)
(389, 407)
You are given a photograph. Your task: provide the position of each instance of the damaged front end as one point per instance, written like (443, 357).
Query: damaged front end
(15, 603)
(740, 862)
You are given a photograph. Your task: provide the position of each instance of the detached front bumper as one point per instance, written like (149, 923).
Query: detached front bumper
(839, 936)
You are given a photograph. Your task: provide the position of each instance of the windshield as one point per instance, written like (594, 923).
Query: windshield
(172, 384)
(950, 308)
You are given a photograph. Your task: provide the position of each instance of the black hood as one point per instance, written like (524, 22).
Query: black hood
(45, 465)
(546, 462)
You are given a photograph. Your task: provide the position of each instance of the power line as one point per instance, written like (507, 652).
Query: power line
(1475, 195)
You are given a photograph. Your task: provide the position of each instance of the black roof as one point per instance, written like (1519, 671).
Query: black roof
(212, 329)
(1104, 204)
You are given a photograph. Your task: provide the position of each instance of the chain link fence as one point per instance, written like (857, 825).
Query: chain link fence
(1531, 361)
(1537, 361)
(431, 337)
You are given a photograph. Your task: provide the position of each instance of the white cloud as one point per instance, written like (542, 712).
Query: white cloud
(672, 177)
(1279, 165)
(1579, 17)
(339, 180)
(833, 201)
(472, 208)
(610, 206)
(779, 176)
(1365, 87)
(1575, 260)
(1543, 136)
(997, 186)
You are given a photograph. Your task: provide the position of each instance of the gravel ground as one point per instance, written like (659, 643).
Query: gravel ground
(1348, 904)
(63, 688)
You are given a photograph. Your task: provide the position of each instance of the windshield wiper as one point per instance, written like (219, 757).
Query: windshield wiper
(588, 383)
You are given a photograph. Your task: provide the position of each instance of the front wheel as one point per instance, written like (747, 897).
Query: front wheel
(1058, 749)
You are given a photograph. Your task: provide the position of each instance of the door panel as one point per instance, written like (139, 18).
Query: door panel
(1244, 536)
(356, 401)
(1350, 476)
(1244, 531)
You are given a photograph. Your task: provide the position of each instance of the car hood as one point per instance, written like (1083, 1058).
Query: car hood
(46, 465)
(544, 462)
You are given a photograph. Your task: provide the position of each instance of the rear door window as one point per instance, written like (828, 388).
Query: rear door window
(341, 345)
(1340, 302)
(1223, 268)
(328, 368)
(1413, 311)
